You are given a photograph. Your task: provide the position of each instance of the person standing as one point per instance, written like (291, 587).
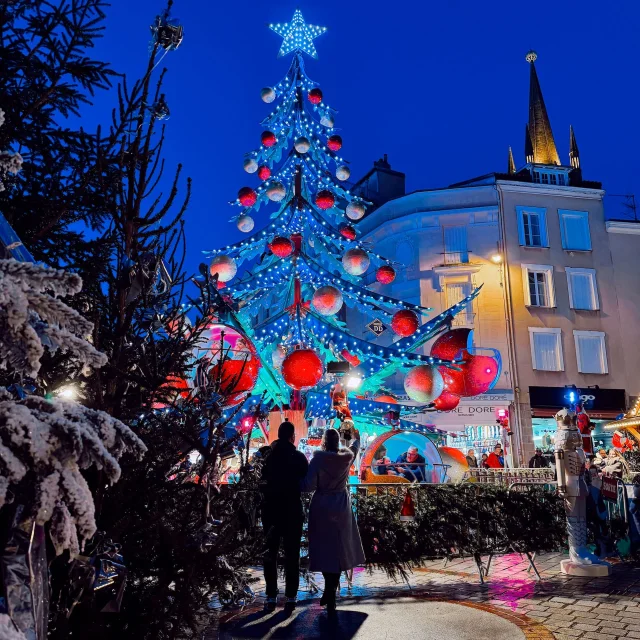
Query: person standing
(334, 540)
(495, 460)
(472, 461)
(538, 461)
(282, 516)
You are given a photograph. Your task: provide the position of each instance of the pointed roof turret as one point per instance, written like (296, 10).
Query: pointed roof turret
(512, 164)
(574, 154)
(528, 145)
(544, 147)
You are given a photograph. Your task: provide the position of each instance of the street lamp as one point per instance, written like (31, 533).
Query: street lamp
(68, 392)
(353, 382)
(496, 258)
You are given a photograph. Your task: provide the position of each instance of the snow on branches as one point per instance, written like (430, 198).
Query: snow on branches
(8, 630)
(43, 447)
(9, 162)
(32, 318)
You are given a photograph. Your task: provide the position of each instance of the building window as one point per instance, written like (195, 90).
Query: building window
(537, 281)
(532, 226)
(455, 245)
(561, 180)
(591, 352)
(546, 349)
(583, 290)
(574, 230)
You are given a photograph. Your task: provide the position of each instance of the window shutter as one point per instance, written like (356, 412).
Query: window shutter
(458, 291)
(455, 244)
(575, 230)
(546, 347)
(591, 352)
(583, 289)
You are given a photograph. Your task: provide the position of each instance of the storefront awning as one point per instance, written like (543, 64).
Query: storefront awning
(600, 404)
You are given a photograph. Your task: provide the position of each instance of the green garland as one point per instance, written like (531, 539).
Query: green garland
(457, 520)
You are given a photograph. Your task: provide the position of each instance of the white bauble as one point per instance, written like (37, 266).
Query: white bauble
(327, 121)
(343, 172)
(276, 192)
(250, 165)
(302, 144)
(245, 223)
(355, 261)
(268, 94)
(224, 267)
(355, 210)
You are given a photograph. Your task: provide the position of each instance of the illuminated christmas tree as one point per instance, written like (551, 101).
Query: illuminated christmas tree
(306, 264)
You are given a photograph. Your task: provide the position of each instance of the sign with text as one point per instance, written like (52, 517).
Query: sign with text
(377, 326)
(609, 488)
(480, 410)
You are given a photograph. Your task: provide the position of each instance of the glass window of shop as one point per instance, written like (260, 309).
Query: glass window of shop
(544, 431)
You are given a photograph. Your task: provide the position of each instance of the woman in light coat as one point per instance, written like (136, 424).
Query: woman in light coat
(334, 540)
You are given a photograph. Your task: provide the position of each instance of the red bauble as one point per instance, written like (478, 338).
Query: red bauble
(315, 96)
(247, 196)
(325, 199)
(347, 231)
(264, 173)
(446, 401)
(173, 389)
(334, 143)
(480, 372)
(354, 361)
(302, 369)
(423, 383)
(237, 377)
(385, 398)
(281, 247)
(449, 345)
(405, 323)
(385, 274)
(477, 374)
(268, 138)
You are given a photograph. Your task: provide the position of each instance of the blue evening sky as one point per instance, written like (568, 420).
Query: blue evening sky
(441, 87)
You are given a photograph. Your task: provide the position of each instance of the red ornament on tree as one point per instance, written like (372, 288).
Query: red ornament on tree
(446, 401)
(385, 274)
(347, 231)
(383, 397)
(268, 138)
(405, 323)
(264, 173)
(480, 372)
(354, 361)
(449, 345)
(327, 300)
(236, 378)
(325, 199)
(281, 247)
(302, 369)
(334, 143)
(315, 96)
(453, 380)
(247, 196)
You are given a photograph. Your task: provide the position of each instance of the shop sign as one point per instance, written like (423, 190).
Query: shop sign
(377, 326)
(594, 399)
(480, 410)
(609, 488)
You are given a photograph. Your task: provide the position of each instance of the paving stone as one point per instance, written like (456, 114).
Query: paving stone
(563, 600)
(571, 633)
(585, 627)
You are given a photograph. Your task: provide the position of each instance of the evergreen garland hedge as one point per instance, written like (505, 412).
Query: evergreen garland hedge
(457, 520)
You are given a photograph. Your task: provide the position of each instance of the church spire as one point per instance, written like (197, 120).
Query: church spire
(574, 154)
(541, 136)
(528, 145)
(512, 164)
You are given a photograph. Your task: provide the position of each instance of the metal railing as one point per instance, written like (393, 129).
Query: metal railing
(509, 477)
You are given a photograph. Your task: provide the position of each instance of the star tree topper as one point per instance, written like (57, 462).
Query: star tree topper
(297, 35)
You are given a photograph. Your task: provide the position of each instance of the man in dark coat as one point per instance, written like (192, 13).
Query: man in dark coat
(282, 516)
(538, 461)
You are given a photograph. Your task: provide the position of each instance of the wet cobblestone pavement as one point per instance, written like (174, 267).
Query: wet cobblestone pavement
(447, 601)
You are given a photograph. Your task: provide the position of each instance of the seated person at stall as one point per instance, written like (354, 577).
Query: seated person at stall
(380, 465)
(410, 465)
